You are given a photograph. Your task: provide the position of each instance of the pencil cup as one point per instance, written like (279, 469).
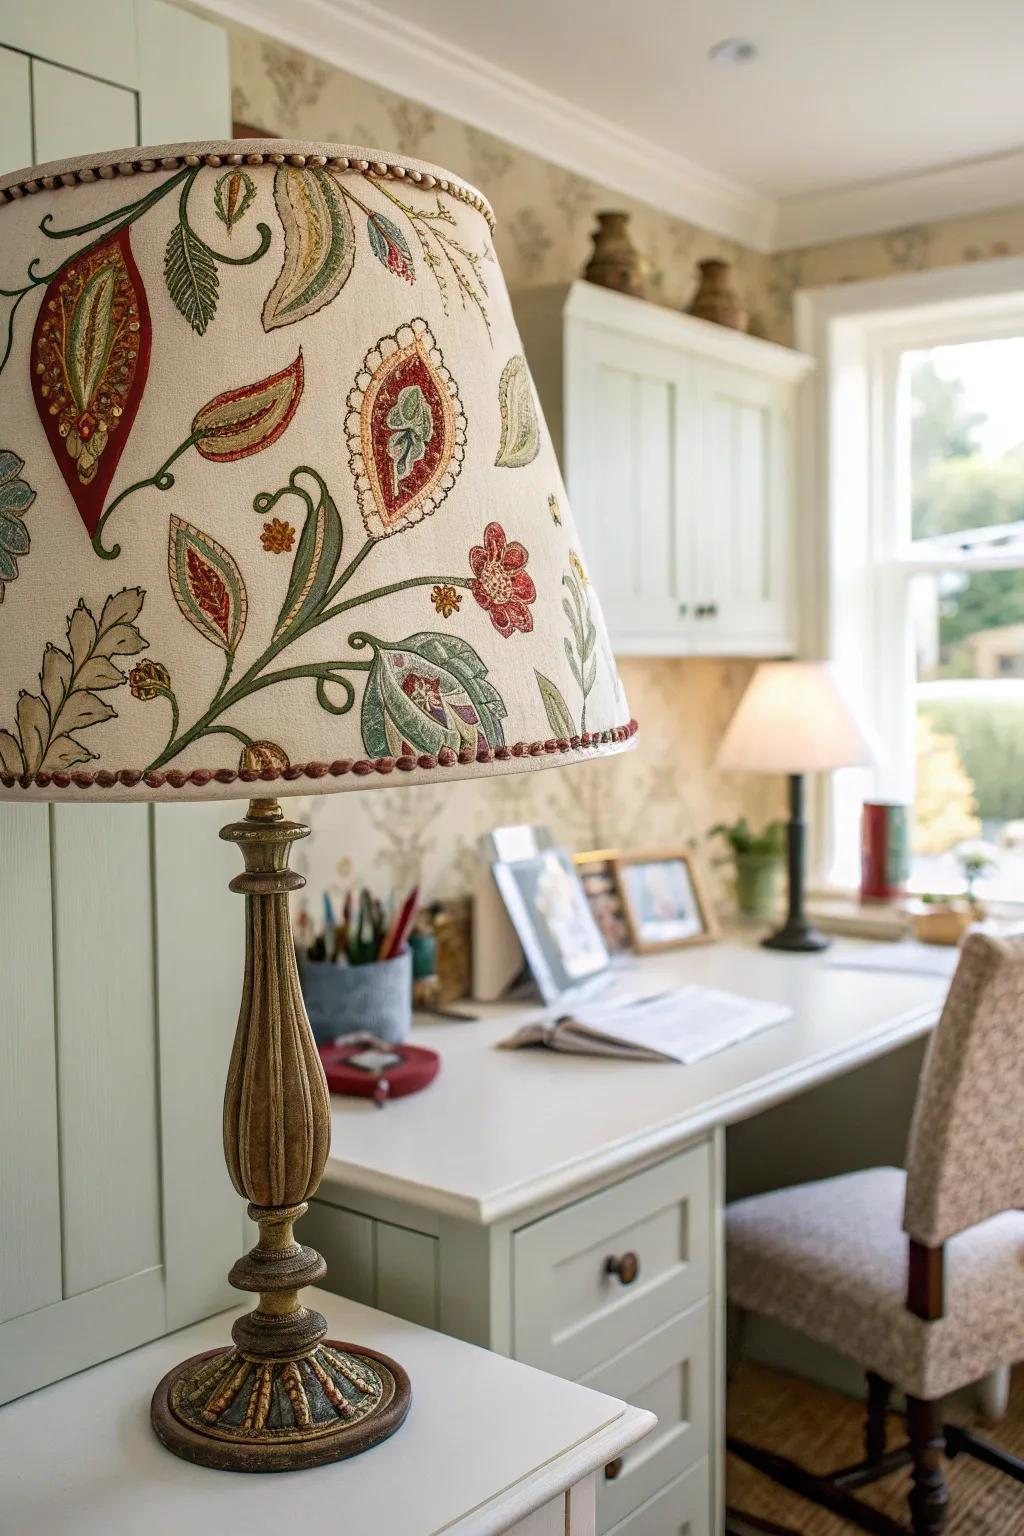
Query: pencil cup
(348, 999)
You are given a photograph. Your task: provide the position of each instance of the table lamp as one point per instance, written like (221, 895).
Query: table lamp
(793, 719)
(278, 514)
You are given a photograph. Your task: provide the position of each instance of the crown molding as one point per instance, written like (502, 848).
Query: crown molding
(872, 208)
(405, 58)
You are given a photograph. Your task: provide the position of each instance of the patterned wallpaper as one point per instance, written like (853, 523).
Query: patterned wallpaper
(666, 792)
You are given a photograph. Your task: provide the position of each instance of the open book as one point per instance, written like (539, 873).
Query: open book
(683, 1025)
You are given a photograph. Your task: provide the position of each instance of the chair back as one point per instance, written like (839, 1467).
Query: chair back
(965, 1160)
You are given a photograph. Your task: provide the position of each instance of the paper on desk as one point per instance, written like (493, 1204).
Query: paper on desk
(684, 1025)
(907, 956)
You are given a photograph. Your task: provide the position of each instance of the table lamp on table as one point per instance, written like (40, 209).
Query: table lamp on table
(275, 513)
(793, 719)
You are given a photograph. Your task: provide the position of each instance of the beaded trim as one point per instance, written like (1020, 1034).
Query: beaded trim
(361, 767)
(383, 169)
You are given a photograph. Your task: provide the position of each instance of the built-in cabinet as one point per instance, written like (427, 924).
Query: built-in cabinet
(677, 442)
(616, 1290)
(120, 947)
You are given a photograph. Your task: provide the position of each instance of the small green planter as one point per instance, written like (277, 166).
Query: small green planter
(758, 880)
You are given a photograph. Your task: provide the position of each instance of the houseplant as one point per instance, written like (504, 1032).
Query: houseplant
(758, 858)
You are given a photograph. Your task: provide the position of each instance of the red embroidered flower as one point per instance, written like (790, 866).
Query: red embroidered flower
(501, 585)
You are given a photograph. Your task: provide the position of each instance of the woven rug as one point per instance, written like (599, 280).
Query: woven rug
(824, 1430)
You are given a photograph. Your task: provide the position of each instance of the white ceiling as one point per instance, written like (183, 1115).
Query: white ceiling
(842, 91)
(855, 115)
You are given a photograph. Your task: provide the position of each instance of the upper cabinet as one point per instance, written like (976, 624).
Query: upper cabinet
(676, 439)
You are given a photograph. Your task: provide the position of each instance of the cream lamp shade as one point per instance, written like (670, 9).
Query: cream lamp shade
(794, 719)
(277, 502)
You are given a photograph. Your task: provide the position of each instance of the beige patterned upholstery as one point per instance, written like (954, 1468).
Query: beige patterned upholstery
(966, 1155)
(830, 1260)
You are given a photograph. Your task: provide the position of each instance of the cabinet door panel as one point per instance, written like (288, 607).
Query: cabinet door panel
(69, 109)
(744, 532)
(631, 463)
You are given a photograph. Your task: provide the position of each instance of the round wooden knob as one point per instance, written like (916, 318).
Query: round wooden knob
(626, 1266)
(613, 1469)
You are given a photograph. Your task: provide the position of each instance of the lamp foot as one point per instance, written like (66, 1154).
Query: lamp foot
(800, 940)
(224, 1410)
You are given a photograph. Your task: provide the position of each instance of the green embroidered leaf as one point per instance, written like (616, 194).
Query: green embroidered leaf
(520, 429)
(10, 754)
(56, 679)
(555, 706)
(65, 752)
(71, 681)
(412, 427)
(190, 271)
(316, 559)
(427, 693)
(590, 675)
(207, 585)
(319, 245)
(574, 666)
(390, 246)
(91, 335)
(232, 196)
(34, 729)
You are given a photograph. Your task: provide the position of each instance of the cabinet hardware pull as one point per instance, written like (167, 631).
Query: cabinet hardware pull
(712, 610)
(613, 1469)
(684, 609)
(625, 1266)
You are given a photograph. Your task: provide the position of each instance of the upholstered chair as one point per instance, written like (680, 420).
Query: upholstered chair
(916, 1276)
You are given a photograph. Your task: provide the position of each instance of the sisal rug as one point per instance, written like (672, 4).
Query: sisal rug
(824, 1430)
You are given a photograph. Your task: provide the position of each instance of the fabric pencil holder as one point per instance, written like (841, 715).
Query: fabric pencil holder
(348, 999)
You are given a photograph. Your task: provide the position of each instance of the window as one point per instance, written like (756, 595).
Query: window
(925, 565)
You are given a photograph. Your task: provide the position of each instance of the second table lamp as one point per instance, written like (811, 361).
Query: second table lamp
(275, 514)
(794, 720)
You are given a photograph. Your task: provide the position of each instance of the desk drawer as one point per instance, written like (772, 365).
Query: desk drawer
(681, 1509)
(669, 1374)
(570, 1311)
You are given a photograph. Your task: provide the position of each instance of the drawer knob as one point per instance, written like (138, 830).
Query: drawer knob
(613, 1469)
(625, 1266)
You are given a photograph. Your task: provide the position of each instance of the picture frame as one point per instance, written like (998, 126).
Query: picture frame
(665, 900)
(553, 920)
(601, 886)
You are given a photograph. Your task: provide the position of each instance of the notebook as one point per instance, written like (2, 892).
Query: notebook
(683, 1025)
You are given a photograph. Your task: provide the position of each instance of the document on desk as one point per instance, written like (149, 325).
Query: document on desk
(906, 955)
(683, 1025)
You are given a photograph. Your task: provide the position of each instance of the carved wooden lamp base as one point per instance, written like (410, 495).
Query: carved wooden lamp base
(285, 1396)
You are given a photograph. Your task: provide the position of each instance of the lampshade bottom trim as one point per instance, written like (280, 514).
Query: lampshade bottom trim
(176, 778)
(221, 1409)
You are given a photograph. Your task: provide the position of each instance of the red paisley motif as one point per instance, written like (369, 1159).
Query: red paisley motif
(209, 591)
(90, 357)
(407, 368)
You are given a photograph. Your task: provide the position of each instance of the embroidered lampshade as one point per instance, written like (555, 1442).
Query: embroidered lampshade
(277, 504)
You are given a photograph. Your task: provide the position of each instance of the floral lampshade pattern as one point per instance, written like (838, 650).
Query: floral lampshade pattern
(277, 502)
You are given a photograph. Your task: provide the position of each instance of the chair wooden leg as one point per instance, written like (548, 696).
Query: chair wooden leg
(878, 1404)
(929, 1496)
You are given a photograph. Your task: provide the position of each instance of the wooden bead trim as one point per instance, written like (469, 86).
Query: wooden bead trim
(389, 170)
(175, 778)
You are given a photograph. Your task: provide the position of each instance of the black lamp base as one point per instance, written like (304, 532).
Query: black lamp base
(802, 940)
(796, 935)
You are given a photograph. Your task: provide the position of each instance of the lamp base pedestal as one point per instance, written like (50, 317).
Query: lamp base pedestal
(223, 1410)
(799, 940)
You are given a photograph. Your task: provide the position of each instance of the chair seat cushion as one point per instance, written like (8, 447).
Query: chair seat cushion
(830, 1260)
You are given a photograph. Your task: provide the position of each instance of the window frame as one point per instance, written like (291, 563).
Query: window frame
(858, 563)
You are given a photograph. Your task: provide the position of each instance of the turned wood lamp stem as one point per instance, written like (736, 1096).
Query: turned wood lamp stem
(277, 1113)
(285, 1396)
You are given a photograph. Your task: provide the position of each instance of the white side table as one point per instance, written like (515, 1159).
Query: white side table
(489, 1446)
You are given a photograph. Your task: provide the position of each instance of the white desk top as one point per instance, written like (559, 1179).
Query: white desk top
(80, 1459)
(499, 1131)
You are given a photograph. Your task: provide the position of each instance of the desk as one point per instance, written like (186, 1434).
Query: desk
(488, 1205)
(520, 1458)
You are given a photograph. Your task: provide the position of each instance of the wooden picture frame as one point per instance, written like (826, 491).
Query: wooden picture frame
(601, 886)
(683, 914)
